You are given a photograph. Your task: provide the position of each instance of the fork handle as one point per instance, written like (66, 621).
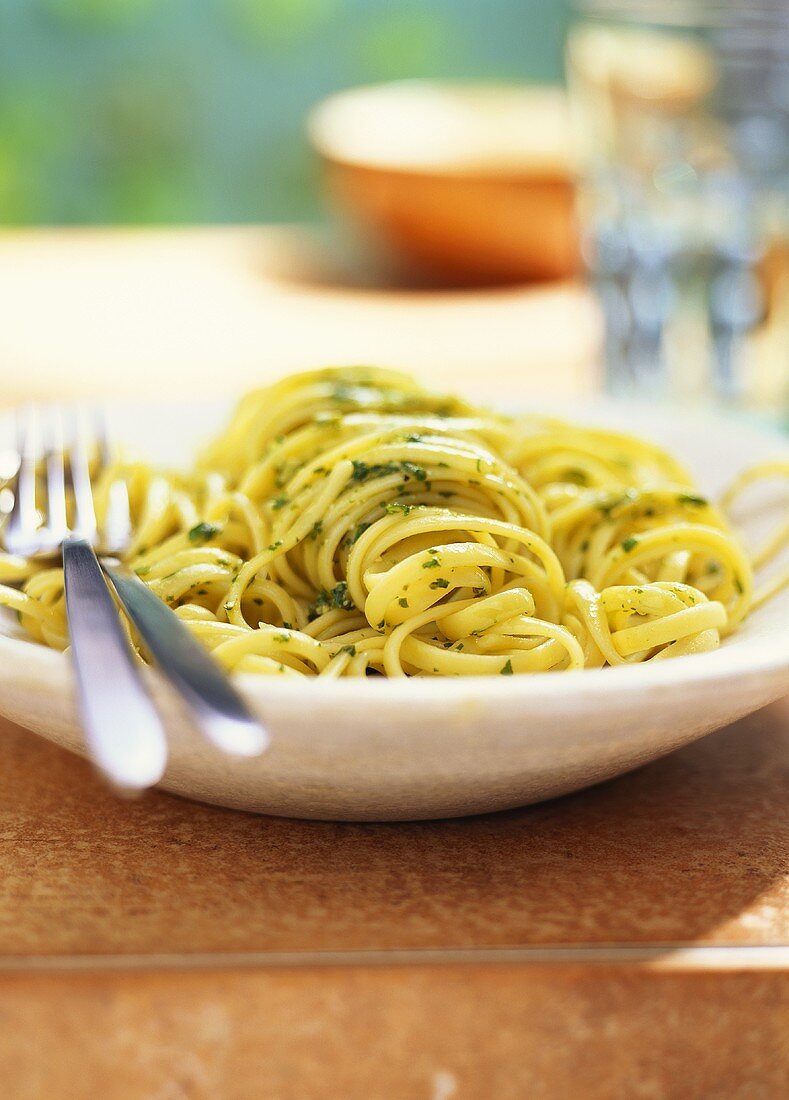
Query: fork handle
(219, 711)
(125, 736)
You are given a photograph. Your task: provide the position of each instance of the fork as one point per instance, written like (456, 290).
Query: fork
(124, 734)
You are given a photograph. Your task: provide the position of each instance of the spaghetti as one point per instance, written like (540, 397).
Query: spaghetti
(349, 522)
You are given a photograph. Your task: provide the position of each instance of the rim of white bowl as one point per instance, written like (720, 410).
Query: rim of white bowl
(736, 659)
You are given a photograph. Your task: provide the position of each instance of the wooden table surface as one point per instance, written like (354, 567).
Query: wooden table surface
(628, 941)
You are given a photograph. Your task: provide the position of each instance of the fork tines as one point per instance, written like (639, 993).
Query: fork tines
(63, 443)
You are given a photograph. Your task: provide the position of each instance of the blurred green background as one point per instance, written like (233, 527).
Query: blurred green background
(192, 110)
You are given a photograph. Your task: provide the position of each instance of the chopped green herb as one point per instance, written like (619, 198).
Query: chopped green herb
(336, 600)
(340, 598)
(691, 498)
(350, 649)
(419, 472)
(282, 637)
(363, 472)
(507, 670)
(275, 545)
(317, 527)
(629, 544)
(203, 531)
(433, 563)
(393, 507)
(279, 502)
(440, 582)
(403, 601)
(576, 476)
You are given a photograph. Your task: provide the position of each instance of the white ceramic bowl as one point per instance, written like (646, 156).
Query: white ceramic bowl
(397, 749)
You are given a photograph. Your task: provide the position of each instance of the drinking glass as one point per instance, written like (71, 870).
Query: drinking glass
(682, 116)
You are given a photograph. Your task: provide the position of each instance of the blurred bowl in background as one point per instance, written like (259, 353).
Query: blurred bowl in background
(465, 184)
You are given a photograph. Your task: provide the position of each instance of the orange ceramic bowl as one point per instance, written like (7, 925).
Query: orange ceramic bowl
(465, 183)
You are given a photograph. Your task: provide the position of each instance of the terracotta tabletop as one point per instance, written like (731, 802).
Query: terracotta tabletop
(628, 941)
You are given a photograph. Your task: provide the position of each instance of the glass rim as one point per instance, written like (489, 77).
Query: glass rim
(683, 13)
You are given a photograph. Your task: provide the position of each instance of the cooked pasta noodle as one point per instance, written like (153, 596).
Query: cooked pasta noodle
(349, 522)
